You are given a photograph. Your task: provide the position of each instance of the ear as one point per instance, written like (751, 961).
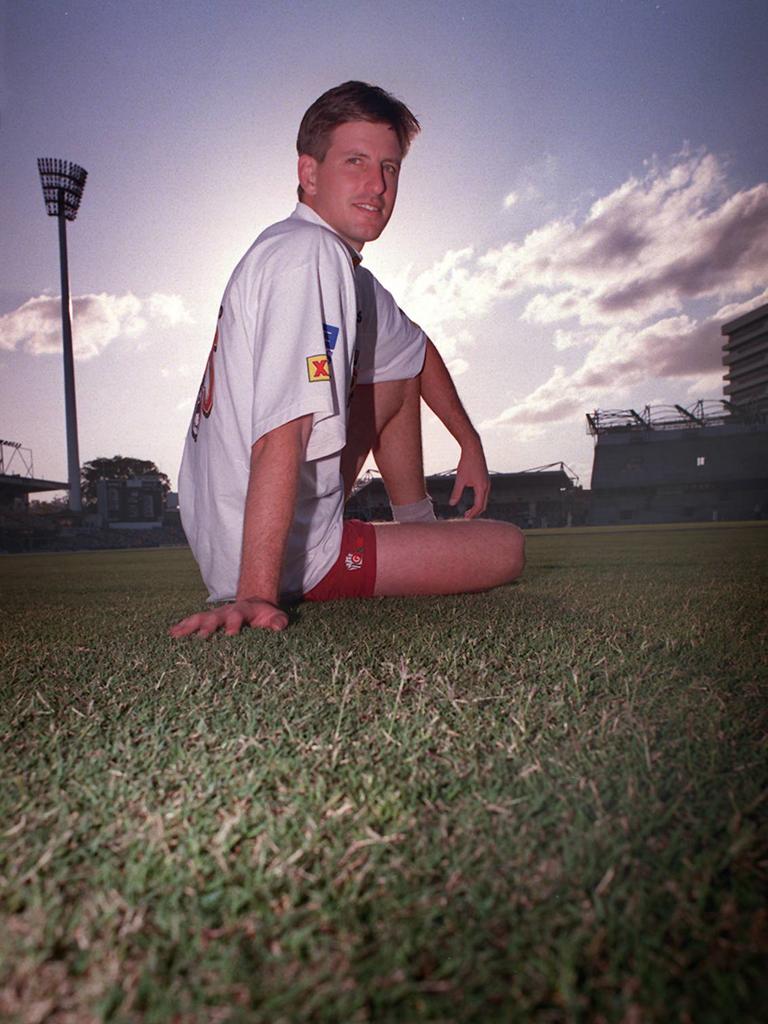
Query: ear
(308, 173)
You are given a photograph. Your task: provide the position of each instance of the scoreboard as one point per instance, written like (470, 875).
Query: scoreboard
(130, 503)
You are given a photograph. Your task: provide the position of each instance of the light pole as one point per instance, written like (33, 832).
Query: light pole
(63, 185)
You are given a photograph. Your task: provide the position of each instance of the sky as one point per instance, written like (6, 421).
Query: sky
(586, 205)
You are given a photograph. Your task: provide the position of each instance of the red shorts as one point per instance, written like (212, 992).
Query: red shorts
(353, 574)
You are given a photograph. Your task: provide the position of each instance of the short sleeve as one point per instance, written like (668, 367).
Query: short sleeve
(302, 348)
(391, 346)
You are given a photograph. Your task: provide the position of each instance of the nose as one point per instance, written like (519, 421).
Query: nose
(377, 181)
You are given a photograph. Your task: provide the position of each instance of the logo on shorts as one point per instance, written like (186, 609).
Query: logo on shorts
(318, 368)
(354, 559)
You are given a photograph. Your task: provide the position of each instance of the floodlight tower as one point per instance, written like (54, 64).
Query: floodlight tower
(63, 185)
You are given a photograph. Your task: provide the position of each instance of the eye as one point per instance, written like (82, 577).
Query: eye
(391, 169)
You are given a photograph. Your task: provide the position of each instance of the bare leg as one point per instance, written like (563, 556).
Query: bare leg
(446, 558)
(398, 451)
(385, 418)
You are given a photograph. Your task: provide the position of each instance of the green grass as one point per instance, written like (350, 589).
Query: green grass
(546, 803)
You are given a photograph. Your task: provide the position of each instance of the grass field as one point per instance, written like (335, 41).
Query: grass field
(546, 803)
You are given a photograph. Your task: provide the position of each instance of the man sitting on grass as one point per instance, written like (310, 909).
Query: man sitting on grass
(312, 367)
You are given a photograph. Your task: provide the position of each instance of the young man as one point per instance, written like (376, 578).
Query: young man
(312, 366)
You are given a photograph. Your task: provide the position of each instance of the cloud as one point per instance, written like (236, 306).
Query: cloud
(511, 199)
(563, 339)
(737, 309)
(457, 366)
(97, 320)
(646, 249)
(676, 347)
(168, 309)
(453, 289)
(619, 282)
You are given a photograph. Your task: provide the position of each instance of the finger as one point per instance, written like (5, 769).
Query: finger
(209, 623)
(476, 509)
(185, 627)
(480, 503)
(458, 490)
(233, 623)
(278, 622)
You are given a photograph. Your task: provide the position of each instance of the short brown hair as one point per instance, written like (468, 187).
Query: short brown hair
(353, 101)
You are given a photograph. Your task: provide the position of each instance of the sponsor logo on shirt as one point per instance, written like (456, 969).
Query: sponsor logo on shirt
(318, 368)
(204, 403)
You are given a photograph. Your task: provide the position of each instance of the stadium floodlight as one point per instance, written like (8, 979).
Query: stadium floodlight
(63, 183)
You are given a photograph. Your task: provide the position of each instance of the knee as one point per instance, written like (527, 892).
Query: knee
(511, 551)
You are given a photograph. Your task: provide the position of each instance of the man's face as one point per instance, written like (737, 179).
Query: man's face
(354, 188)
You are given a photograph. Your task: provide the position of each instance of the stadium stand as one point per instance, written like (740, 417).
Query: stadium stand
(540, 497)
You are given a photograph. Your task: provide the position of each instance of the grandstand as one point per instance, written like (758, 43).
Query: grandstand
(18, 480)
(545, 496)
(677, 464)
(708, 461)
(132, 512)
(19, 531)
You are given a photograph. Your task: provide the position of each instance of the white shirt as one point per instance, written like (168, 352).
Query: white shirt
(299, 316)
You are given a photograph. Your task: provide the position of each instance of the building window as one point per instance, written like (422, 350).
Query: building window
(700, 460)
(626, 513)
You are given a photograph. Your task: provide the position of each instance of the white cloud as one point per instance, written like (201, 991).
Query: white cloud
(619, 281)
(736, 309)
(182, 371)
(97, 320)
(168, 309)
(677, 347)
(511, 199)
(451, 290)
(563, 339)
(457, 366)
(555, 399)
(645, 249)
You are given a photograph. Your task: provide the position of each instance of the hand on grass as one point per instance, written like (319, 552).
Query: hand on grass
(472, 471)
(231, 618)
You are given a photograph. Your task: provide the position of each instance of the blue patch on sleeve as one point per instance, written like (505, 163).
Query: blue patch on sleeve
(331, 334)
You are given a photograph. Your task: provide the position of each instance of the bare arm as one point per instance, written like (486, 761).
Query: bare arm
(269, 506)
(439, 392)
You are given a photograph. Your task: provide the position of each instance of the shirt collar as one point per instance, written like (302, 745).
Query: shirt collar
(304, 212)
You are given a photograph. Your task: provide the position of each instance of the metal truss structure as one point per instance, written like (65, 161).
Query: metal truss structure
(704, 413)
(19, 455)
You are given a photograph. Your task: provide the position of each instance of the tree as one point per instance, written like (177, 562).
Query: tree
(54, 506)
(119, 467)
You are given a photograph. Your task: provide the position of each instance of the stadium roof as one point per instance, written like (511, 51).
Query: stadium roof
(18, 484)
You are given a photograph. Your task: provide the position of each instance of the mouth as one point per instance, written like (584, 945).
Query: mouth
(369, 207)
